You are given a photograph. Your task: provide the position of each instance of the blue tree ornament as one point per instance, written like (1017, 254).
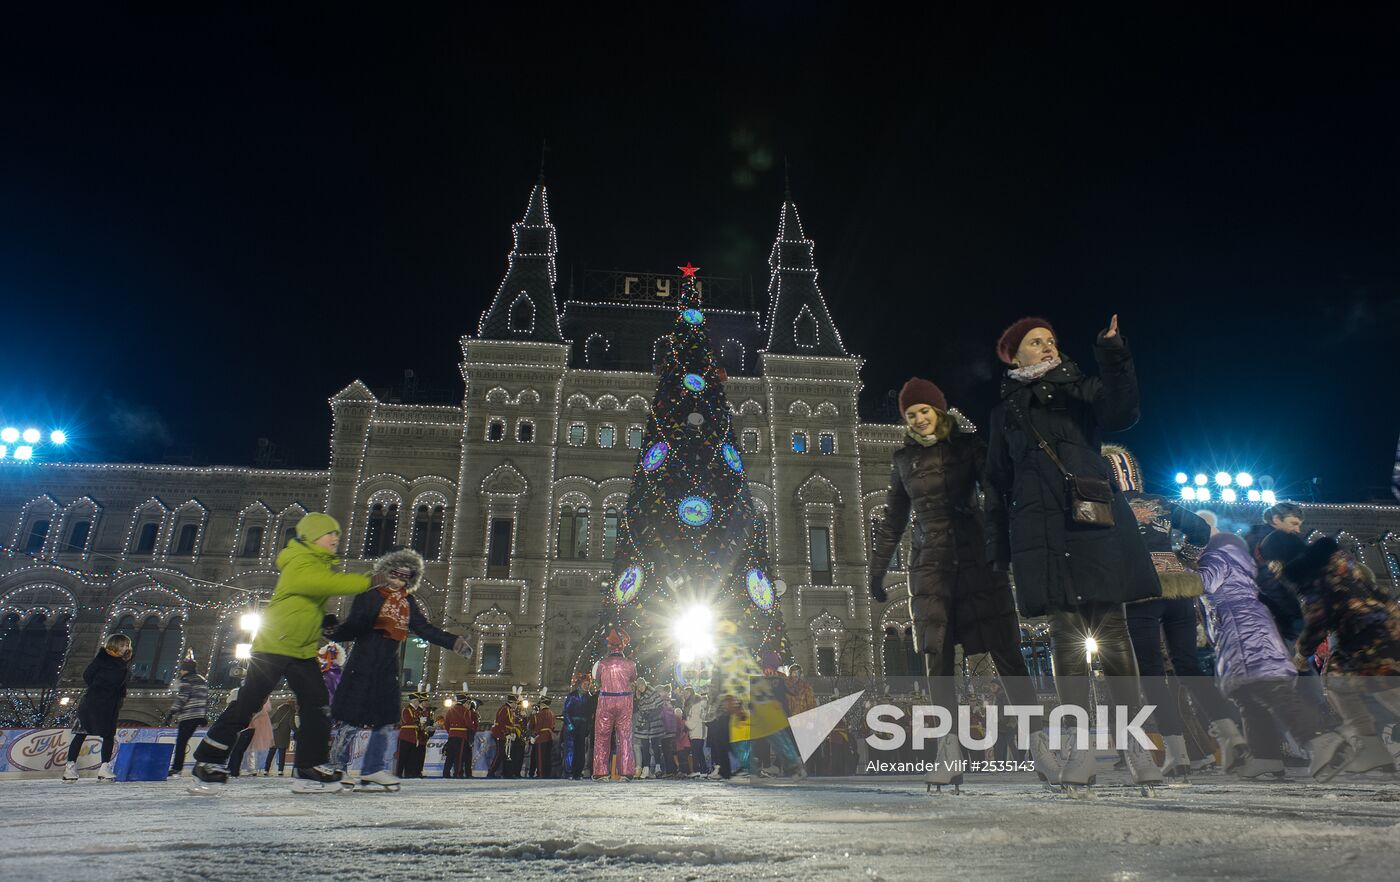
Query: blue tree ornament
(693, 316)
(628, 584)
(732, 458)
(760, 590)
(655, 456)
(694, 382)
(695, 511)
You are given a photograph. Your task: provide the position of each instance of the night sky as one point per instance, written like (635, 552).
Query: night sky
(210, 221)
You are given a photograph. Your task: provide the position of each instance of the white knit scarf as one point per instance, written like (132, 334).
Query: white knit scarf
(1033, 371)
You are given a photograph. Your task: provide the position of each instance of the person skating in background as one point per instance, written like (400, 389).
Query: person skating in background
(189, 712)
(262, 740)
(368, 696)
(542, 739)
(694, 711)
(1058, 522)
(332, 660)
(668, 734)
(1255, 669)
(614, 673)
(460, 723)
(285, 647)
(1173, 615)
(1340, 598)
(283, 725)
(1280, 542)
(955, 597)
(576, 727)
(681, 760)
(105, 678)
(646, 726)
(415, 728)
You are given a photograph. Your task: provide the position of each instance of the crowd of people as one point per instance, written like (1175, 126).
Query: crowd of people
(1041, 501)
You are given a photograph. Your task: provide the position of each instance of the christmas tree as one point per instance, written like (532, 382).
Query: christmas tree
(688, 536)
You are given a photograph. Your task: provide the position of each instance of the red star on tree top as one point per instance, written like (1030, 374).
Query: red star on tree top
(688, 270)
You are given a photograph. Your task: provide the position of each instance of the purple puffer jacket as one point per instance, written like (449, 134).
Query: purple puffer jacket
(1247, 645)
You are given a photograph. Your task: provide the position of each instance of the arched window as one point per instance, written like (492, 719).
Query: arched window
(495, 430)
(78, 537)
(252, 542)
(610, 525)
(427, 530)
(145, 648)
(60, 637)
(901, 660)
(382, 528)
(731, 356)
(146, 539)
(9, 645)
(748, 440)
(184, 545)
(595, 350)
(799, 442)
(525, 432)
(573, 533)
(167, 654)
(804, 329)
(38, 532)
(826, 443)
(634, 437)
(30, 646)
(607, 436)
(522, 314)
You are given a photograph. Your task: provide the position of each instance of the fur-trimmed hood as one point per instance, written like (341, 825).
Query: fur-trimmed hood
(402, 559)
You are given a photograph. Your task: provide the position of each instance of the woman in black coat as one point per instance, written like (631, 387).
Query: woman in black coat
(379, 623)
(105, 677)
(1079, 575)
(954, 596)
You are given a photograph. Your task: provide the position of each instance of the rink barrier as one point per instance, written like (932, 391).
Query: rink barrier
(41, 753)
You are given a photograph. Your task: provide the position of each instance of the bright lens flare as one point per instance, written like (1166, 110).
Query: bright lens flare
(243, 651)
(250, 622)
(1091, 645)
(1223, 479)
(31, 436)
(694, 633)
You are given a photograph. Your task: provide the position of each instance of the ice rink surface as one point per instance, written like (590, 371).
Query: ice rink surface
(1002, 827)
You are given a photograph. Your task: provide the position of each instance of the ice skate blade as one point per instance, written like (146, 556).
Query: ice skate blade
(314, 787)
(205, 789)
(375, 788)
(956, 785)
(1148, 790)
(1078, 791)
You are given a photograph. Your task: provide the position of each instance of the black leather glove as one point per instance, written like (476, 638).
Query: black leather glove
(877, 590)
(329, 622)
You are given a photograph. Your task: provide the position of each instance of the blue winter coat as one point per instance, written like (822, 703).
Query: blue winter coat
(1247, 644)
(576, 712)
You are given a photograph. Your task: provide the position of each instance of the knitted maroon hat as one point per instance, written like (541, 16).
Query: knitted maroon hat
(1011, 338)
(921, 391)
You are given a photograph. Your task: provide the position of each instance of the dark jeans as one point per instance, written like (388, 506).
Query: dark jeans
(718, 739)
(281, 754)
(1148, 621)
(580, 739)
(265, 671)
(1108, 625)
(240, 747)
(75, 748)
(697, 756)
(650, 753)
(1266, 700)
(182, 742)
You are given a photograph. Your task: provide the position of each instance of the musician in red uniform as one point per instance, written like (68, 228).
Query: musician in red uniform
(542, 736)
(509, 733)
(460, 723)
(415, 727)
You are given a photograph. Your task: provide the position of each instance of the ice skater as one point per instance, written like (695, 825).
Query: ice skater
(1256, 669)
(285, 647)
(105, 678)
(189, 712)
(368, 696)
(615, 674)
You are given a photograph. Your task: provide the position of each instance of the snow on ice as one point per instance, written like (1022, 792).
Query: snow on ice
(1001, 827)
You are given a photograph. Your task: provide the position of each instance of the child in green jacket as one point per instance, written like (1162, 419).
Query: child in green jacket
(285, 646)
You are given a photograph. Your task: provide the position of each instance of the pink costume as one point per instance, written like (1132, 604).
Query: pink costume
(615, 675)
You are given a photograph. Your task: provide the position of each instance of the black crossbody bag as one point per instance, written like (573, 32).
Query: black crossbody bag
(1090, 499)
